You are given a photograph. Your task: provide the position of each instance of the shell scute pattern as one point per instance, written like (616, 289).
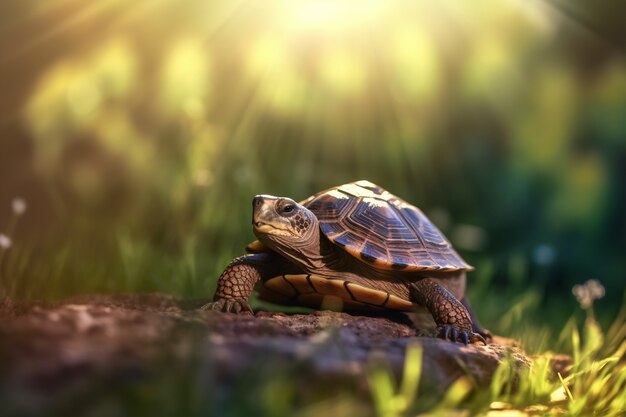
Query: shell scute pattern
(381, 229)
(328, 206)
(379, 220)
(423, 227)
(372, 252)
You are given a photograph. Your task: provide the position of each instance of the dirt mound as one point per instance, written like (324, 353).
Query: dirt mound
(69, 357)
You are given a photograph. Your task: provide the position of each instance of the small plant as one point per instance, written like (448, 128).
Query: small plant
(587, 293)
(597, 382)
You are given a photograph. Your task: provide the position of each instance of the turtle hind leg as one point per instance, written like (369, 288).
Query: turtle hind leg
(476, 326)
(452, 318)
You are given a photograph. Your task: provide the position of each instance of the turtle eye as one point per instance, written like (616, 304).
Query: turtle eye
(289, 208)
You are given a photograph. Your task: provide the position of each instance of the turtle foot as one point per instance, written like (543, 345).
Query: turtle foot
(229, 305)
(454, 334)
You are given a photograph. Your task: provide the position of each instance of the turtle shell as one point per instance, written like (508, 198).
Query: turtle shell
(382, 230)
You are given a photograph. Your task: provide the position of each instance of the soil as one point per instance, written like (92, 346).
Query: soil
(65, 356)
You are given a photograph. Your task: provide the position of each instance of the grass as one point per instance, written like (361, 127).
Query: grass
(595, 383)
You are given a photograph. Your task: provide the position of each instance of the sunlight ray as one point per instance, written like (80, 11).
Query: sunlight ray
(70, 23)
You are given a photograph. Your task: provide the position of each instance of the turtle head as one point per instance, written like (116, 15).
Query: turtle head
(281, 218)
(287, 228)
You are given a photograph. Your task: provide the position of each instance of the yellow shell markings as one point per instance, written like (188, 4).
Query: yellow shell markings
(311, 290)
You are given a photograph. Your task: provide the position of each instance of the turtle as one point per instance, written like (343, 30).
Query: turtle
(355, 246)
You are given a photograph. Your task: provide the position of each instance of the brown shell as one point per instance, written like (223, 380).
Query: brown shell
(335, 294)
(382, 230)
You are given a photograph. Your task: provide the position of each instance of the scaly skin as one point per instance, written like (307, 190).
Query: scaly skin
(452, 318)
(235, 285)
(237, 282)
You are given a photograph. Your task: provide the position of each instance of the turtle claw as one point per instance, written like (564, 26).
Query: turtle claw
(444, 333)
(453, 334)
(478, 338)
(229, 305)
(486, 334)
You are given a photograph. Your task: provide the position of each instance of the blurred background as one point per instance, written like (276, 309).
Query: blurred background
(134, 136)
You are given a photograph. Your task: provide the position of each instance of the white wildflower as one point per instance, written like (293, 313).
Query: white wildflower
(19, 205)
(596, 290)
(5, 241)
(588, 292)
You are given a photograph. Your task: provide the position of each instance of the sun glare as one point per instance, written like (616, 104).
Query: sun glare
(319, 16)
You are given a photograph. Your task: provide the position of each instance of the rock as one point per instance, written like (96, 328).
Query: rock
(82, 347)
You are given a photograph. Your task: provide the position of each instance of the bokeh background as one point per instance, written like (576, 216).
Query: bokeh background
(137, 133)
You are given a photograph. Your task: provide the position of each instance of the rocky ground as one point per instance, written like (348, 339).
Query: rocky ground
(77, 356)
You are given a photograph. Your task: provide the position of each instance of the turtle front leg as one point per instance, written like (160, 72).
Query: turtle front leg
(452, 318)
(236, 283)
